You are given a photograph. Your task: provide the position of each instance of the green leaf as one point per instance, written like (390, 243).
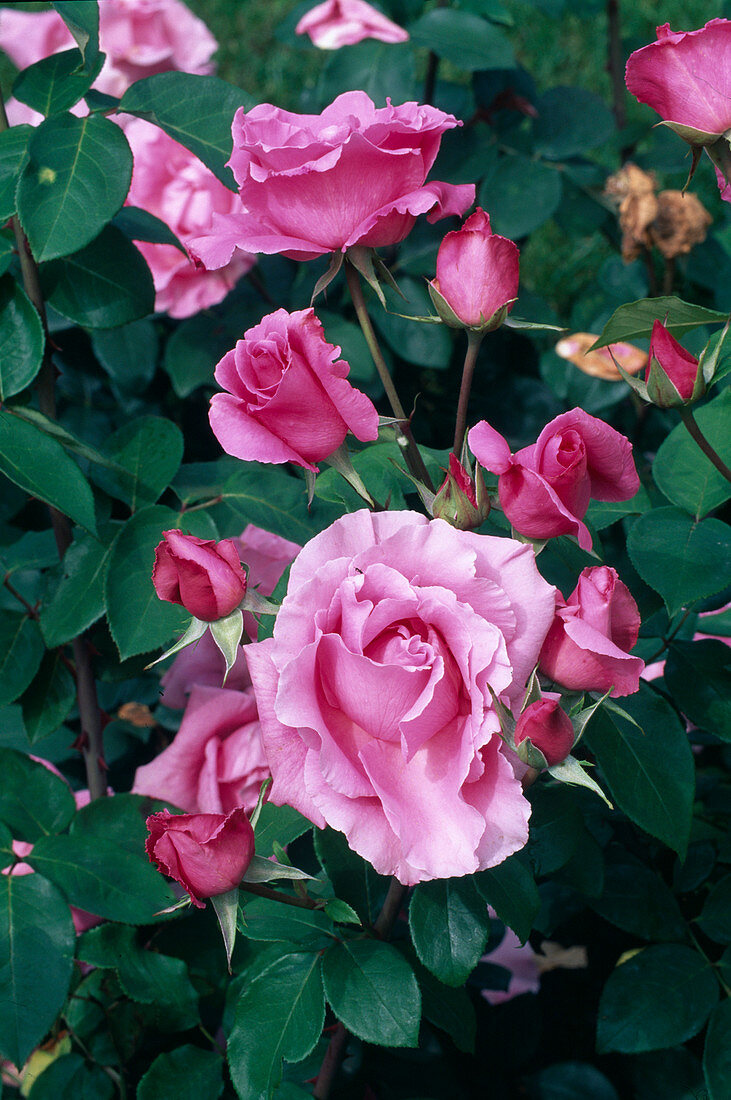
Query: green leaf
(352, 877)
(570, 121)
(556, 827)
(7, 250)
(280, 825)
(75, 597)
(457, 910)
(33, 801)
(82, 19)
(104, 285)
(636, 899)
(270, 498)
(186, 1073)
(102, 877)
(506, 184)
(279, 1015)
(715, 918)
(648, 767)
(267, 920)
(572, 1081)
(511, 890)
(33, 550)
(40, 465)
(681, 470)
(55, 83)
(76, 179)
(464, 39)
(698, 676)
(151, 449)
(21, 339)
(128, 354)
(354, 350)
(70, 1077)
(659, 997)
(197, 111)
(120, 819)
(141, 225)
(673, 1074)
(13, 156)
(372, 67)
(681, 558)
(21, 653)
(49, 699)
(424, 345)
(372, 989)
(37, 941)
(447, 1008)
(634, 321)
(717, 1053)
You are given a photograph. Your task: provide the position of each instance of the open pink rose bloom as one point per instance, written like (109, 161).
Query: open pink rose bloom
(313, 184)
(375, 696)
(339, 23)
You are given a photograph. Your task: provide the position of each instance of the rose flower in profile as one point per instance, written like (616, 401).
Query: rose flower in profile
(208, 854)
(339, 23)
(203, 576)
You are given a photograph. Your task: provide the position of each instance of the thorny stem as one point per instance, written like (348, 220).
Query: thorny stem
(691, 424)
(474, 339)
(89, 712)
(411, 452)
(21, 599)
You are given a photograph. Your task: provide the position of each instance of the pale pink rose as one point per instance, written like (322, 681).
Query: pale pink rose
(312, 184)
(374, 693)
(206, 853)
(587, 647)
(477, 274)
(265, 557)
(171, 183)
(520, 960)
(685, 76)
(339, 23)
(216, 760)
(139, 37)
(545, 489)
(288, 397)
(202, 575)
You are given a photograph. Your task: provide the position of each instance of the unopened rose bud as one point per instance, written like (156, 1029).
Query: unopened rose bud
(460, 501)
(207, 854)
(204, 576)
(673, 375)
(545, 727)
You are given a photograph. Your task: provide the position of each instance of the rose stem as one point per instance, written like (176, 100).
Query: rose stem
(336, 1047)
(90, 716)
(432, 68)
(286, 899)
(474, 339)
(692, 426)
(412, 453)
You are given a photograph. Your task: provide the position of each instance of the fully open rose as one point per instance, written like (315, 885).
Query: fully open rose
(375, 696)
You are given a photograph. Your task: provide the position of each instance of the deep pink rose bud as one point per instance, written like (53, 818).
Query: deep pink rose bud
(477, 276)
(459, 500)
(206, 853)
(288, 399)
(545, 489)
(339, 23)
(546, 727)
(587, 646)
(204, 576)
(673, 375)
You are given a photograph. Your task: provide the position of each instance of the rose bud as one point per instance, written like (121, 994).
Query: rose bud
(208, 854)
(673, 375)
(587, 646)
(546, 727)
(339, 23)
(477, 276)
(460, 501)
(204, 576)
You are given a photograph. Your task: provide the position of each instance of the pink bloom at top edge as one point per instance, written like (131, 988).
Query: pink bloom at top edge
(139, 37)
(313, 184)
(477, 271)
(171, 183)
(545, 488)
(339, 23)
(685, 76)
(374, 693)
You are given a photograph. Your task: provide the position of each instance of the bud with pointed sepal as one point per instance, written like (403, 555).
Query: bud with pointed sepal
(460, 501)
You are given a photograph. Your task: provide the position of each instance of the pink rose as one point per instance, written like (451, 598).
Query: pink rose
(171, 183)
(477, 275)
(673, 376)
(139, 37)
(549, 729)
(216, 760)
(288, 397)
(545, 489)
(587, 647)
(206, 853)
(686, 78)
(374, 693)
(312, 184)
(520, 960)
(202, 575)
(339, 23)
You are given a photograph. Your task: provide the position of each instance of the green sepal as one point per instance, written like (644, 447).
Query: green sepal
(340, 461)
(708, 362)
(227, 907)
(256, 812)
(195, 631)
(263, 869)
(336, 262)
(227, 633)
(572, 771)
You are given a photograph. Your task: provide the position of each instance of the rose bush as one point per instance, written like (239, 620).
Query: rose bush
(202, 575)
(312, 184)
(339, 23)
(375, 691)
(206, 853)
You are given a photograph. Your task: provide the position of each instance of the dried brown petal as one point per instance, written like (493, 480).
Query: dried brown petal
(681, 222)
(599, 364)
